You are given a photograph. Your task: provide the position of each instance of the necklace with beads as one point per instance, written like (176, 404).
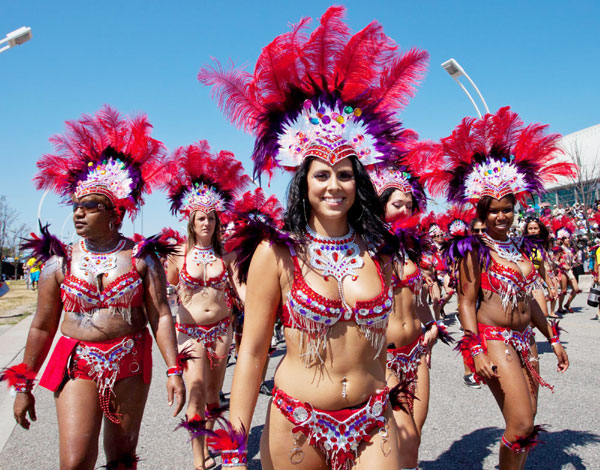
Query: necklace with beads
(506, 250)
(97, 263)
(337, 257)
(203, 256)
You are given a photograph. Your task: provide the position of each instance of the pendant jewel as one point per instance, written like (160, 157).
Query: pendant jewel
(337, 257)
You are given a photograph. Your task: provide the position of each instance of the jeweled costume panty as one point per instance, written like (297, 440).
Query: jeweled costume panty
(208, 335)
(338, 433)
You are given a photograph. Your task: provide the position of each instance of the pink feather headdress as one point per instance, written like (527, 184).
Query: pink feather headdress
(104, 154)
(495, 156)
(430, 224)
(329, 95)
(200, 181)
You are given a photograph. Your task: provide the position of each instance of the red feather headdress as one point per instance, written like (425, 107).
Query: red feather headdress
(457, 220)
(402, 173)
(199, 180)
(104, 154)
(430, 224)
(562, 226)
(329, 95)
(495, 155)
(170, 235)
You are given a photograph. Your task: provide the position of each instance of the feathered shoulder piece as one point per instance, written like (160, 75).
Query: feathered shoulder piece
(198, 180)
(254, 218)
(412, 243)
(494, 156)
(403, 173)
(104, 154)
(153, 245)
(562, 226)
(328, 95)
(45, 246)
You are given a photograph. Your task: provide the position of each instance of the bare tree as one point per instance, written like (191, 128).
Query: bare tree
(586, 182)
(8, 217)
(14, 247)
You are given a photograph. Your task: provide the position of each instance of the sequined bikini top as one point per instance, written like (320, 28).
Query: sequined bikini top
(510, 284)
(413, 281)
(118, 296)
(191, 282)
(188, 284)
(312, 313)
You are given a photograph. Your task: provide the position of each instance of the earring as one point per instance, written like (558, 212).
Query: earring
(111, 226)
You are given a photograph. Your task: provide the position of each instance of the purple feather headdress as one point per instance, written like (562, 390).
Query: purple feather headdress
(45, 246)
(329, 95)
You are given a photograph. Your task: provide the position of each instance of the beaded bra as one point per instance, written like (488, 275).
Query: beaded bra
(413, 281)
(188, 283)
(119, 296)
(510, 284)
(312, 313)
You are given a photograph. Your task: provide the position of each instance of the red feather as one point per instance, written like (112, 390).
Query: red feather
(17, 375)
(235, 94)
(397, 82)
(325, 46)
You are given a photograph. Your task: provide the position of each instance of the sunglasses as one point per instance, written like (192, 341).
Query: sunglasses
(478, 230)
(90, 206)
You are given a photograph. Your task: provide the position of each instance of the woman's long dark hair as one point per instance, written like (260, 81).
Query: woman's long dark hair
(543, 236)
(365, 215)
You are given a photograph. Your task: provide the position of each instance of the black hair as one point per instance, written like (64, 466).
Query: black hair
(385, 197)
(483, 205)
(365, 215)
(474, 221)
(543, 236)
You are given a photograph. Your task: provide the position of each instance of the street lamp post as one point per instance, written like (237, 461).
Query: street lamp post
(16, 38)
(455, 70)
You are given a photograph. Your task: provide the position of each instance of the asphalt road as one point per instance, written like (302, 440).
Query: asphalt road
(462, 431)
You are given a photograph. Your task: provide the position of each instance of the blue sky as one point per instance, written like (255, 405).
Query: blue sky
(539, 57)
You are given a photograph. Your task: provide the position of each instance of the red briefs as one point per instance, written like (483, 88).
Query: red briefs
(519, 340)
(208, 335)
(335, 433)
(404, 363)
(104, 362)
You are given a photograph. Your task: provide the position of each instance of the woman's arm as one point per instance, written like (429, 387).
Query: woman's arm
(545, 327)
(469, 283)
(263, 296)
(41, 333)
(161, 322)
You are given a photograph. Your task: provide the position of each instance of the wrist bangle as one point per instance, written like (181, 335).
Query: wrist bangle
(476, 349)
(19, 377)
(174, 371)
(233, 458)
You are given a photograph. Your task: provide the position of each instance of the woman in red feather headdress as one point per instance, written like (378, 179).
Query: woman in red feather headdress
(106, 287)
(325, 107)
(408, 351)
(201, 186)
(564, 228)
(494, 162)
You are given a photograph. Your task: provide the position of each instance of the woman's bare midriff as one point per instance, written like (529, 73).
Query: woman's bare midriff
(404, 325)
(348, 354)
(102, 325)
(206, 306)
